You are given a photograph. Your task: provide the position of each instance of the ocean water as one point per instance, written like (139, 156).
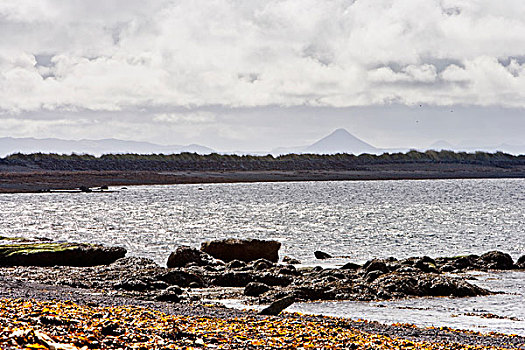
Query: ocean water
(352, 220)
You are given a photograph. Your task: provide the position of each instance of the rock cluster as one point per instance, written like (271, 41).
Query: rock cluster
(260, 279)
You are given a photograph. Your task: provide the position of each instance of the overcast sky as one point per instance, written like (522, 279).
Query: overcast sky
(253, 75)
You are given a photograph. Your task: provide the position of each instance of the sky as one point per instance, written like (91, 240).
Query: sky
(253, 75)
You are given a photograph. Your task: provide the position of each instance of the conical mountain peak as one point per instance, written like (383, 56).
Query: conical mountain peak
(341, 141)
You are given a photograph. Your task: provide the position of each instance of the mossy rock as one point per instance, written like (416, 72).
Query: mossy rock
(62, 254)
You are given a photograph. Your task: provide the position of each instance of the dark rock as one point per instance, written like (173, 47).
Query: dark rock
(496, 260)
(311, 293)
(376, 265)
(321, 255)
(180, 278)
(277, 306)
(236, 264)
(254, 289)
(54, 254)
(291, 261)
(132, 285)
(245, 250)
(262, 264)
(373, 275)
(288, 270)
(233, 279)
(350, 266)
(424, 284)
(184, 255)
(273, 279)
(171, 294)
(457, 263)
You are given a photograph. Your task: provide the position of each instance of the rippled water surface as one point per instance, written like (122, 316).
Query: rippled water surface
(357, 219)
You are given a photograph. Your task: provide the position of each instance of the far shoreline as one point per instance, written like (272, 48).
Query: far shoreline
(46, 181)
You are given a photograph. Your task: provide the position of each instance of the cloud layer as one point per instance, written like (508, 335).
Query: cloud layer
(120, 55)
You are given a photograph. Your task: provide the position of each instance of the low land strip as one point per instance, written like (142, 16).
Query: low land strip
(44, 172)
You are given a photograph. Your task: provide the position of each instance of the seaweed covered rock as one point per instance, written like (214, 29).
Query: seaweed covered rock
(242, 249)
(58, 254)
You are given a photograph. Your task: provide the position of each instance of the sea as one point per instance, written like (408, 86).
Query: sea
(351, 220)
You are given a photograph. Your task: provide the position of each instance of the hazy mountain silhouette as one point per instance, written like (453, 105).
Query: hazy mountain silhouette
(339, 141)
(470, 146)
(441, 145)
(9, 145)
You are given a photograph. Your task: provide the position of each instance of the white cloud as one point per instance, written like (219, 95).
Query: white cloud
(115, 55)
(185, 118)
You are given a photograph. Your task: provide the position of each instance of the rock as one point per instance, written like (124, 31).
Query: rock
(273, 279)
(288, 270)
(242, 249)
(321, 255)
(236, 264)
(233, 279)
(58, 254)
(180, 278)
(376, 265)
(521, 262)
(171, 294)
(496, 260)
(350, 266)
(290, 260)
(457, 263)
(277, 306)
(132, 285)
(373, 275)
(262, 264)
(314, 292)
(399, 285)
(254, 289)
(184, 255)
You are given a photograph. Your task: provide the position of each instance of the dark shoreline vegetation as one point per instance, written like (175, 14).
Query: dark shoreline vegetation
(230, 162)
(134, 302)
(43, 172)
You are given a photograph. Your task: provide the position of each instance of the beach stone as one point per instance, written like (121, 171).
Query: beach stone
(321, 255)
(254, 289)
(350, 266)
(262, 264)
(233, 279)
(373, 275)
(314, 292)
(180, 278)
(132, 285)
(273, 279)
(172, 294)
(290, 260)
(376, 265)
(496, 260)
(242, 249)
(277, 306)
(58, 254)
(184, 255)
(236, 264)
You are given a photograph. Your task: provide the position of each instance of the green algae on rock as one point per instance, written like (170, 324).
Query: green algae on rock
(64, 254)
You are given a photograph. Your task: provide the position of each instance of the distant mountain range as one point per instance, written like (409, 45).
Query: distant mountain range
(9, 145)
(339, 141)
